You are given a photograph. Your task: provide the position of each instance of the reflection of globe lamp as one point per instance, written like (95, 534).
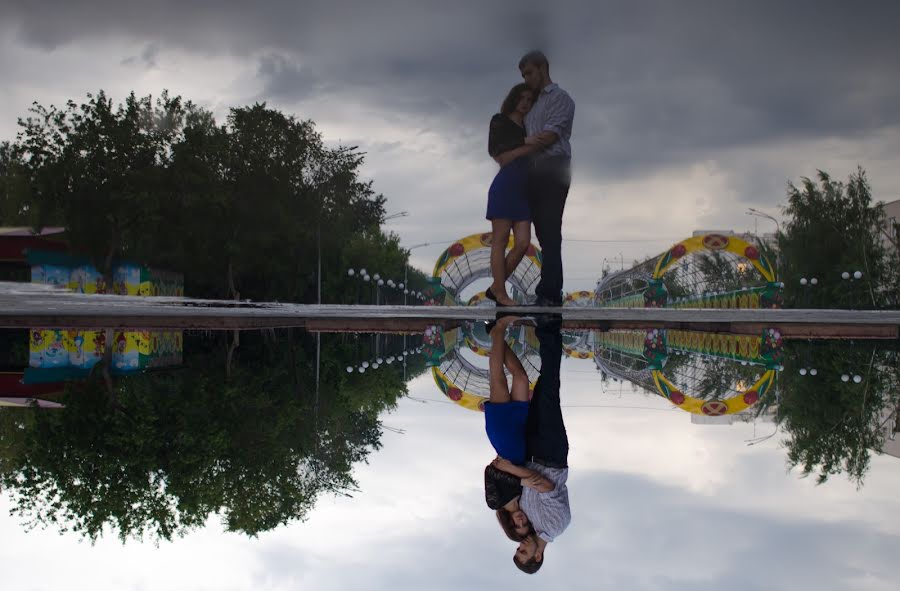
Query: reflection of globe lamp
(803, 371)
(366, 277)
(380, 360)
(351, 272)
(845, 378)
(349, 369)
(401, 286)
(362, 369)
(365, 364)
(845, 275)
(376, 276)
(813, 371)
(857, 379)
(380, 282)
(857, 274)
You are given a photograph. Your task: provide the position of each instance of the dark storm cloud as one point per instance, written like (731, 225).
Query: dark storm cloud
(656, 83)
(147, 58)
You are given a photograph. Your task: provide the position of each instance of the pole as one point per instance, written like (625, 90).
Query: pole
(319, 256)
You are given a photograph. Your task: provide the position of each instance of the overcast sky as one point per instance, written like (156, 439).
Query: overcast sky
(687, 113)
(657, 503)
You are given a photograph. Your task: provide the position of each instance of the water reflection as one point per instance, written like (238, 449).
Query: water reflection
(531, 443)
(160, 451)
(155, 452)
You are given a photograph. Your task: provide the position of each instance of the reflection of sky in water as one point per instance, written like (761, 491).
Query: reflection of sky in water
(657, 503)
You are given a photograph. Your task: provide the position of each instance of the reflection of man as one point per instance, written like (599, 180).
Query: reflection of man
(547, 449)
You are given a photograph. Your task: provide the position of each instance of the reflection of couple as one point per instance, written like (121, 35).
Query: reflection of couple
(529, 139)
(526, 483)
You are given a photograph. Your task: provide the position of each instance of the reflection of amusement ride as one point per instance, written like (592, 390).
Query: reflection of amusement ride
(703, 373)
(454, 354)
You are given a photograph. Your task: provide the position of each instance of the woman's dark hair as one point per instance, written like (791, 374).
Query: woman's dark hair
(512, 99)
(509, 528)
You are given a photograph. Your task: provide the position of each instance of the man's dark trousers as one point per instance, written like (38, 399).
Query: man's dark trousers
(548, 187)
(546, 441)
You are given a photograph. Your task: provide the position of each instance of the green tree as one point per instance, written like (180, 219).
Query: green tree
(835, 227)
(97, 169)
(242, 209)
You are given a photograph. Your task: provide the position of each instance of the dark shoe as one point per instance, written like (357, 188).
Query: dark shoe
(543, 302)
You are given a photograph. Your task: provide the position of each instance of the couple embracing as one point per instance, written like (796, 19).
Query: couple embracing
(526, 482)
(529, 139)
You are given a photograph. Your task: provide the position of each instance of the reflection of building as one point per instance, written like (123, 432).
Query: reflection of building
(891, 421)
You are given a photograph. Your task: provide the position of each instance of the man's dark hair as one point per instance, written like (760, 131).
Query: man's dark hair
(512, 99)
(530, 566)
(535, 58)
(509, 528)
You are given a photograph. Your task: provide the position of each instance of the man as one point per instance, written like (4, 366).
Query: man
(547, 448)
(549, 123)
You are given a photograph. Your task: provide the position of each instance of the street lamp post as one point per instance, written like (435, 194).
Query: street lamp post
(406, 272)
(762, 214)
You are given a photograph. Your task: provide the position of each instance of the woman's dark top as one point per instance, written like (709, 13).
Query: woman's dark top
(500, 487)
(505, 135)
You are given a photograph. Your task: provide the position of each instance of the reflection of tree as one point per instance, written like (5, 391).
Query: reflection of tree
(255, 448)
(833, 426)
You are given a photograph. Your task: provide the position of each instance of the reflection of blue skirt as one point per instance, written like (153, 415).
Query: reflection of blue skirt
(508, 197)
(505, 426)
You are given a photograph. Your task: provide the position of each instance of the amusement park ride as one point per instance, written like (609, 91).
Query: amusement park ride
(702, 372)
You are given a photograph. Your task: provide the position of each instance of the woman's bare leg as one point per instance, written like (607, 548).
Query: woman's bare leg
(519, 391)
(499, 238)
(522, 235)
(499, 386)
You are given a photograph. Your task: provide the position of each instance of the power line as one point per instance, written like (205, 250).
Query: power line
(660, 239)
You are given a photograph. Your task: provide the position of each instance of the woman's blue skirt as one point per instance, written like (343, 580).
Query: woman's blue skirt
(508, 195)
(505, 426)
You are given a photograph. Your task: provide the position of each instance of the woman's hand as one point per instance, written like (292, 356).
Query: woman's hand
(538, 483)
(502, 464)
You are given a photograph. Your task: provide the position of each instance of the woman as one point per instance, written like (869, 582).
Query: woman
(505, 415)
(507, 198)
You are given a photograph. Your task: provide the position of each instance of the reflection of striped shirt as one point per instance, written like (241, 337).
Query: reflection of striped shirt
(554, 110)
(548, 512)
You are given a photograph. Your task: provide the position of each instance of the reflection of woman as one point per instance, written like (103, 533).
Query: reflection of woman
(505, 415)
(507, 199)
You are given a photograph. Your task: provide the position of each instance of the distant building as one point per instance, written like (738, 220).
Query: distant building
(891, 233)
